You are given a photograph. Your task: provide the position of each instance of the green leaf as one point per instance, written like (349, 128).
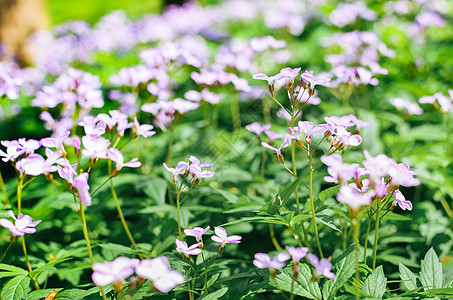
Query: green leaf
(324, 219)
(431, 271)
(327, 193)
(409, 280)
(214, 296)
(11, 271)
(230, 197)
(156, 188)
(303, 286)
(272, 207)
(16, 288)
(344, 269)
(376, 283)
(396, 217)
(36, 295)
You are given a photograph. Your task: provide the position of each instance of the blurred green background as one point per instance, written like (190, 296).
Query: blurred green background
(91, 11)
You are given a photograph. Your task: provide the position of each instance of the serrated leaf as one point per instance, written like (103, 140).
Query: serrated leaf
(376, 283)
(16, 288)
(408, 278)
(344, 269)
(303, 286)
(214, 296)
(11, 271)
(431, 271)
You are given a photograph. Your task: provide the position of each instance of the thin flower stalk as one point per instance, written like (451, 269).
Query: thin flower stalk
(376, 231)
(356, 234)
(312, 203)
(118, 208)
(87, 240)
(11, 242)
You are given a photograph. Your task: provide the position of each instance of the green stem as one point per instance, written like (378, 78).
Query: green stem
(356, 229)
(178, 194)
(293, 155)
(263, 165)
(28, 263)
(291, 296)
(449, 146)
(13, 239)
(205, 273)
(235, 113)
(170, 142)
(120, 213)
(19, 195)
(376, 232)
(273, 239)
(2, 186)
(366, 239)
(312, 204)
(87, 239)
(99, 187)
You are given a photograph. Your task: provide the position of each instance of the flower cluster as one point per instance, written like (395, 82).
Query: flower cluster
(193, 167)
(323, 267)
(380, 177)
(220, 237)
(157, 270)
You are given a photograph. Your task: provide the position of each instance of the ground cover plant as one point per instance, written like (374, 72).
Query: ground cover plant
(238, 150)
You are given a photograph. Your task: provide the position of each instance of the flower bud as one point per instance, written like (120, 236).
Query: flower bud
(303, 84)
(308, 139)
(49, 176)
(327, 133)
(299, 143)
(311, 91)
(76, 143)
(280, 157)
(115, 172)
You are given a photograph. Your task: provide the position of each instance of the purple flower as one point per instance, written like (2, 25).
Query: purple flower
(180, 169)
(263, 261)
(309, 77)
(56, 142)
(412, 108)
(257, 128)
(354, 198)
(144, 130)
(183, 248)
(22, 225)
(339, 172)
(402, 175)
(401, 201)
(158, 271)
(278, 151)
(378, 166)
(197, 232)
(95, 147)
(222, 238)
(288, 74)
(115, 271)
(35, 164)
(116, 155)
(297, 253)
(323, 267)
(80, 182)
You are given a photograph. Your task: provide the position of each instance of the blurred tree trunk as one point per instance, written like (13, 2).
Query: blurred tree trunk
(18, 20)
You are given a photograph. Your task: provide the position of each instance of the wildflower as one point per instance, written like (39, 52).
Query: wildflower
(354, 198)
(222, 238)
(323, 267)
(270, 80)
(144, 130)
(308, 76)
(263, 261)
(116, 155)
(401, 201)
(297, 253)
(56, 142)
(257, 128)
(197, 232)
(114, 272)
(402, 175)
(158, 271)
(22, 224)
(95, 147)
(81, 184)
(278, 151)
(35, 164)
(186, 250)
(339, 172)
(412, 108)
(180, 169)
